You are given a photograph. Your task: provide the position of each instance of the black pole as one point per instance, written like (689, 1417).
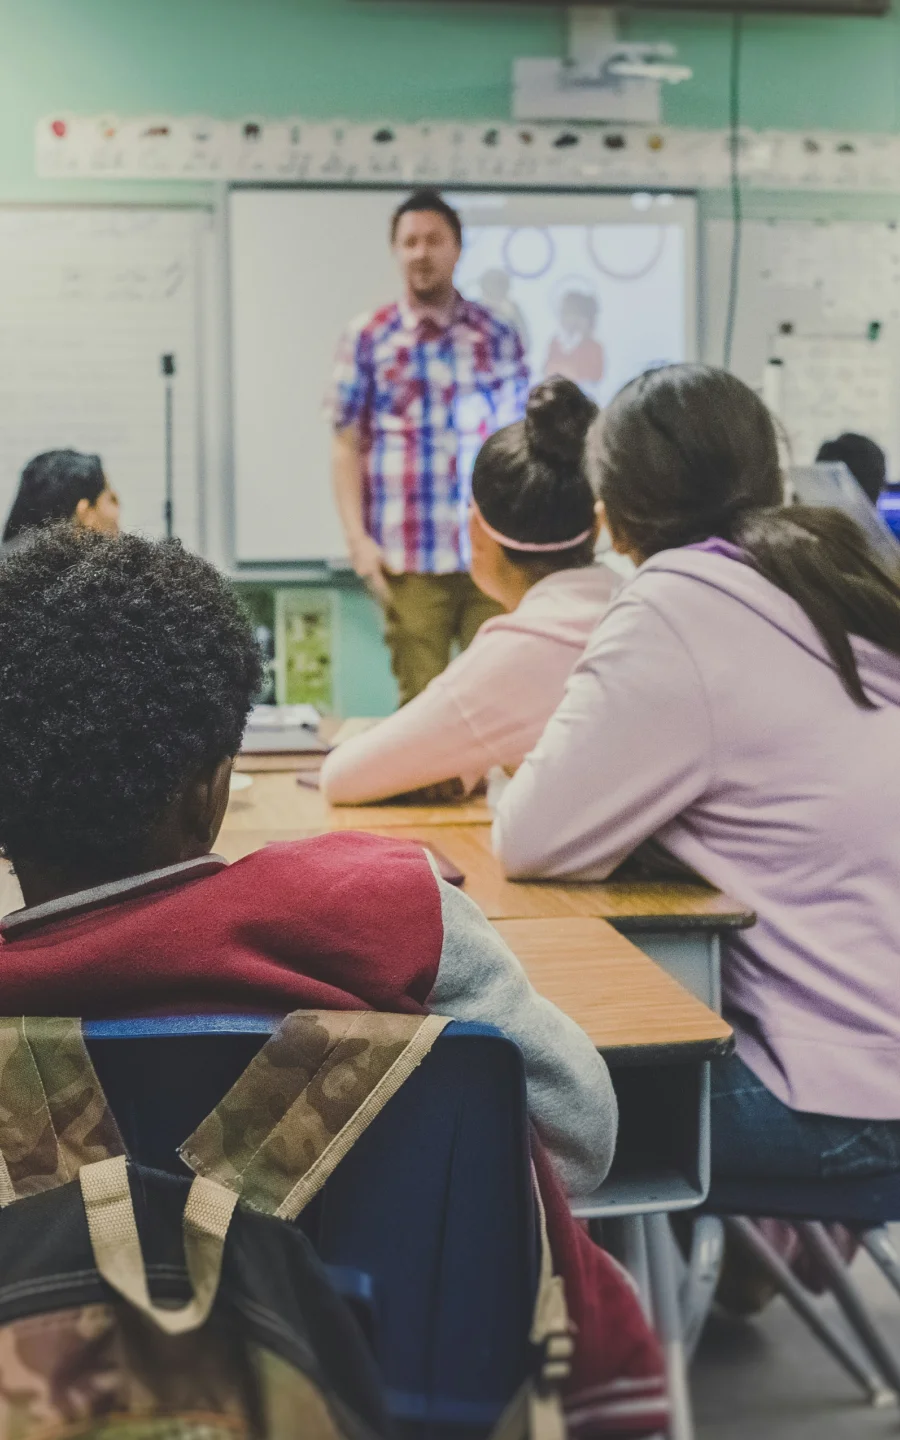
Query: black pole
(167, 365)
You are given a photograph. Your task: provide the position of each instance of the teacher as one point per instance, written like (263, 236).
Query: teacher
(418, 387)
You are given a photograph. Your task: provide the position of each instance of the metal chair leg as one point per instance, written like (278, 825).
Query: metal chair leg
(702, 1276)
(885, 1254)
(867, 1379)
(851, 1302)
(667, 1314)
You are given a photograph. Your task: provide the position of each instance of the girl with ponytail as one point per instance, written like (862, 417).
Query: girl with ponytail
(740, 703)
(533, 526)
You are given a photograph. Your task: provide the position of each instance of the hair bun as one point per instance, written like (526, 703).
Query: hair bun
(557, 418)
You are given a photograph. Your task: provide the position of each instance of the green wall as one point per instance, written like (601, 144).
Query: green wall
(369, 58)
(372, 59)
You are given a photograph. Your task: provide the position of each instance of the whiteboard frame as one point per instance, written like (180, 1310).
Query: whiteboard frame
(318, 570)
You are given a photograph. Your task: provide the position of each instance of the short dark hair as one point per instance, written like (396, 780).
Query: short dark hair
(688, 453)
(50, 488)
(531, 482)
(127, 666)
(863, 458)
(427, 200)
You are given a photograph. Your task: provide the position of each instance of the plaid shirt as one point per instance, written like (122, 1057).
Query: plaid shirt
(425, 398)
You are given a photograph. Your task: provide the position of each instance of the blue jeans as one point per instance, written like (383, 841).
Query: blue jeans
(756, 1136)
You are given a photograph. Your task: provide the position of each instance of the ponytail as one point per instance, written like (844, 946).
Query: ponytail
(822, 560)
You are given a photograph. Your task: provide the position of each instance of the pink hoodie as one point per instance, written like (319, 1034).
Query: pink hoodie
(489, 706)
(706, 712)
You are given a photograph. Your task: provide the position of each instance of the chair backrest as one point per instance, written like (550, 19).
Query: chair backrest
(433, 1202)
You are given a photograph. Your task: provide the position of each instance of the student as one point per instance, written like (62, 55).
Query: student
(740, 702)
(533, 530)
(863, 458)
(128, 673)
(63, 485)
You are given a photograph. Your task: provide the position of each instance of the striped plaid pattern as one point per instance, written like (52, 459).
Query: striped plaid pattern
(425, 398)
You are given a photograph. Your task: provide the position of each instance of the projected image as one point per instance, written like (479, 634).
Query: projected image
(596, 303)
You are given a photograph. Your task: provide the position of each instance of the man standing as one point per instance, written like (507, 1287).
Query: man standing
(419, 385)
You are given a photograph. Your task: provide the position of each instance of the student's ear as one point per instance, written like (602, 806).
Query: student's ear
(207, 801)
(82, 514)
(620, 546)
(599, 519)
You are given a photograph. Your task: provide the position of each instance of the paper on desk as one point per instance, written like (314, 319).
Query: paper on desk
(284, 717)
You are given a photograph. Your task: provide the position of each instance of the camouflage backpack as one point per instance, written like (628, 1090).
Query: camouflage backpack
(124, 1314)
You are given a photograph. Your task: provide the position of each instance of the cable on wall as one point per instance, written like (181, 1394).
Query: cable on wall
(734, 121)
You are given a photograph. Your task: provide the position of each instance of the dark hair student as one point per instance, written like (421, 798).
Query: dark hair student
(62, 485)
(533, 528)
(532, 482)
(688, 453)
(129, 672)
(863, 458)
(431, 202)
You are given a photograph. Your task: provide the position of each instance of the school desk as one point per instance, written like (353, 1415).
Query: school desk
(658, 1040)
(634, 1012)
(276, 802)
(678, 923)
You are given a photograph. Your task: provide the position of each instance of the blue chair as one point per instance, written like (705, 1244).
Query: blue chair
(864, 1206)
(428, 1220)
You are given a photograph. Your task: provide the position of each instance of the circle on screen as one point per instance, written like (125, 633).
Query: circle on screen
(528, 252)
(610, 266)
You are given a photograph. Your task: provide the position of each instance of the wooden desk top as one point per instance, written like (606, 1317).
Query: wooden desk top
(275, 802)
(632, 1010)
(634, 905)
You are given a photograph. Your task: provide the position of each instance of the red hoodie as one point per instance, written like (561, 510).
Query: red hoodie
(342, 922)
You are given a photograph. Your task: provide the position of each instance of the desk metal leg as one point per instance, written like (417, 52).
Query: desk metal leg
(701, 1278)
(623, 1237)
(667, 1313)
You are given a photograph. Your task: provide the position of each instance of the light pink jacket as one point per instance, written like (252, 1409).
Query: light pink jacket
(490, 704)
(706, 712)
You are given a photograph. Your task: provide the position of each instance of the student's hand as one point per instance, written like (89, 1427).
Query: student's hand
(367, 560)
(445, 792)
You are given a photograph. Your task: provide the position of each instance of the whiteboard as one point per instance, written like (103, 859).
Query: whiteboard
(828, 281)
(90, 299)
(303, 263)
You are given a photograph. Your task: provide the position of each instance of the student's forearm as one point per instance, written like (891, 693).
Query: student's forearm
(426, 742)
(570, 1096)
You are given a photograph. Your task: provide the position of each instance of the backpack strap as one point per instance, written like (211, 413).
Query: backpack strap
(304, 1101)
(117, 1248)
(54, 1116)
(536, 1410)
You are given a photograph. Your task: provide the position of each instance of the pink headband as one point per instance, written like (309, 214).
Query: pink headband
(525, 546)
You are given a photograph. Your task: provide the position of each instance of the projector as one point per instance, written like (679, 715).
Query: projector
(620, 82)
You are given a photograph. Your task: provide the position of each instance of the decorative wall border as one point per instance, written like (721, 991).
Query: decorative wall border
(256, 148)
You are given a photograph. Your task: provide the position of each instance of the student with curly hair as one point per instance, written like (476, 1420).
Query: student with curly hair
(129, 670)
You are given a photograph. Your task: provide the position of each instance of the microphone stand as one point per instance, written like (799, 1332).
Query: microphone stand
(167, 366)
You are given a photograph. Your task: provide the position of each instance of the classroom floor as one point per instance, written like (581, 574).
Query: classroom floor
(770, 1380)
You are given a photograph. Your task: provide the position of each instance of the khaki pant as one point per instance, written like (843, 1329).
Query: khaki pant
(424, 615)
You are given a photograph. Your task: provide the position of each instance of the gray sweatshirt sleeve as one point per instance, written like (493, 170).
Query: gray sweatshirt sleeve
(570, 1095)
